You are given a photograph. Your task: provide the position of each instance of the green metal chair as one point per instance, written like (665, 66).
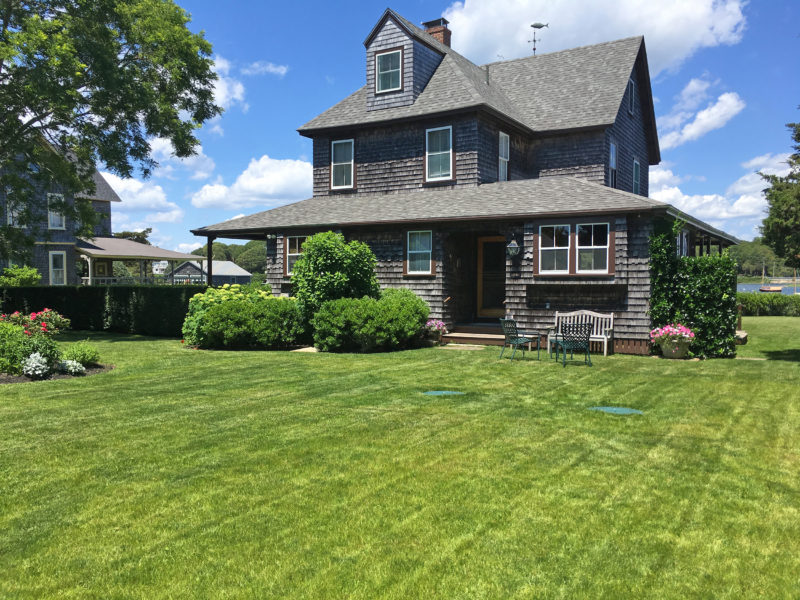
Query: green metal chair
(572, 337)
(515, 340)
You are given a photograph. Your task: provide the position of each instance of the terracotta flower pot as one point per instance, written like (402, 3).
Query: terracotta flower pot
(674, 349)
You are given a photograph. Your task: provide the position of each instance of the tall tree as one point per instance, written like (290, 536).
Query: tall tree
(135, 236)
(781, 227)
(84, 82)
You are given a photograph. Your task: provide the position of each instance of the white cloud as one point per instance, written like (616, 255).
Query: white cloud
(200, 165)
(187, 248)
(261, 68)
(674, 30)
(227, 91)
(714, 116)
(266, 182)
(141, 197)
(239, 216)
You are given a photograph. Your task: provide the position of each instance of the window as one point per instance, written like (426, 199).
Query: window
(593, 248)
(554, 249)
(612, 165)
(55, 219)
(505, 153)
(682, 243)
(342, 164)
(636, 177)
(439, 153)
(294, 248)
(58, 268)
(388, 71)
(420, 252)
(13, 212)
(631, 96)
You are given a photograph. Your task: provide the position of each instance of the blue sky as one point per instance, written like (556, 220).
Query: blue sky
(725, 77)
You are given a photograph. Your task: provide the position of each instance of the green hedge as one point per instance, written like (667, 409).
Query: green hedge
(157, 310)
(266, 323)
(755, 304)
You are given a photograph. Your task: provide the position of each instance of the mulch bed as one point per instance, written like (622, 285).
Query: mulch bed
(6, 378)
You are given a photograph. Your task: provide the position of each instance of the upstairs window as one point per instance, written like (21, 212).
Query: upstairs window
(55, 219)
(13, 212)
(342, 164)
(439, 153)
(554, 241)
(631, 96)
(593, 248)
(612, 165)
(294, 248)
(505, 154)
(636, 176)
(420, 252)
(388, 71)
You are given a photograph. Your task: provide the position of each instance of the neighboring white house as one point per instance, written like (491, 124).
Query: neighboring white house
(225, 271)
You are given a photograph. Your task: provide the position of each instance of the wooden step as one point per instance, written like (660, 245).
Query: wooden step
(485, 339)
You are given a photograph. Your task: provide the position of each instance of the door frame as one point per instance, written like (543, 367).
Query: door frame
(487, 312)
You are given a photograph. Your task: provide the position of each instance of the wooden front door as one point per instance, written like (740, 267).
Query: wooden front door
(491, 276)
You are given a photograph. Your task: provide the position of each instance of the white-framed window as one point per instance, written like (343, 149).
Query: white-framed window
(388, 71)
(342, 164)
(631, 96)
(592, 247)
(13, 212)
(439, 153)
(612, 165)
(637, 175)
(554, 244)
(294, 248)
(55, 219)
(419, 253)
(505, 155)
(682, 243)
(58, 267)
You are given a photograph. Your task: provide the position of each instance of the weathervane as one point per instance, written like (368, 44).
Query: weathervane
(535, 27)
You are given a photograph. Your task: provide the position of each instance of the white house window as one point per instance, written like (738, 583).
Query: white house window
(58, 268)
(342, 164)
(612, 165)
(554, 249)
(637, 173)
(13, 212)
(505, 154)
(593, 248)
(420, 252)
(294, 248)
(439, 153)
(631, 95)
(55, 219)
(388, 71)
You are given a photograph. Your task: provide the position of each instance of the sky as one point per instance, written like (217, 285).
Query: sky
(725, 77)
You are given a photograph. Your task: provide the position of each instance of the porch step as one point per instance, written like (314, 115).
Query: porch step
(469, 337)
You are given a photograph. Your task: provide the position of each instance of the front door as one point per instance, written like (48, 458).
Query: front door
(491, 276)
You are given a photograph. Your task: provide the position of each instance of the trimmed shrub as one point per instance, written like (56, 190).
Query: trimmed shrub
(82, 352)
(267, 323)
(19, 277)
(201, 303)
(12, 348)
(755, 304)
(338, 324)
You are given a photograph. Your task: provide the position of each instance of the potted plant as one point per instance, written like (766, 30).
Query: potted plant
(434, 330)
(673, 338)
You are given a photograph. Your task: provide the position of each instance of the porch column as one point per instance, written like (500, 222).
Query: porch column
(89, 261)
(210, 255)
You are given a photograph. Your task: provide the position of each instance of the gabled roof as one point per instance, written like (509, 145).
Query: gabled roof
(102, 190)
(227, 268)
(122, 249)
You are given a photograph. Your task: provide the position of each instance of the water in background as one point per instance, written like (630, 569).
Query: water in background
(788, 288)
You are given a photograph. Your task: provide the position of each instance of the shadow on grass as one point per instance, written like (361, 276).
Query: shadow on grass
(106, 336)
(791, 355)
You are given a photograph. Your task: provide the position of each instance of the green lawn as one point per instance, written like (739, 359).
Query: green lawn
(189, 474)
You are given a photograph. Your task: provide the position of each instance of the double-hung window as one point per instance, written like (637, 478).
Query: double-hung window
(419, 253)
(612, 165)
(58, 268)
(505, 154)
(554, 241)
(13, 211)
(592, 248)
(439, 153)
(388, 71)
(637, 174)
(55, 218)
(341, 164)
(294, 248)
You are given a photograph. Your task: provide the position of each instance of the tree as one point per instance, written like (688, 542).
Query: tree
(781, 227)
(253, 259)
(135, 236)
(220, 251)
(84, 82)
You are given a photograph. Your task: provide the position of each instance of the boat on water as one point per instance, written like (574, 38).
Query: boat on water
(771, 289)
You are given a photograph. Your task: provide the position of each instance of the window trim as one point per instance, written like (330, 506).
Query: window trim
(287, 254)
(612, 169)
(578, 248)
(568, 249)
(637, 177)
(450, 177)
(52, 212)
(631, 96)
(399, 50)
(407, 262)
(50, 265)
(352, 185)
(500, 158)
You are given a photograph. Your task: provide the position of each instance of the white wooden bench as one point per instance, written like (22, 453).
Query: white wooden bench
(602, 326)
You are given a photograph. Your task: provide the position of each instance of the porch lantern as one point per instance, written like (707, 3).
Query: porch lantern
(513, 248)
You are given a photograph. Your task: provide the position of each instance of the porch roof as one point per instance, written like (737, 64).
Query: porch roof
(521, 199)
(122, 249)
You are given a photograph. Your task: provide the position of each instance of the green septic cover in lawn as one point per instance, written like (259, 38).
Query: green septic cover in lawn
(617, 410)
(443, 393)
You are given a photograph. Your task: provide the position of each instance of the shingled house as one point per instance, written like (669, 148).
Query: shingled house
(518, 187)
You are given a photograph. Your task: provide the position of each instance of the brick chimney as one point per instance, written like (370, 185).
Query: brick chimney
(438, 29)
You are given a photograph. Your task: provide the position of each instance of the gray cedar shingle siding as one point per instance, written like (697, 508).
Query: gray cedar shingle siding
(391, 37)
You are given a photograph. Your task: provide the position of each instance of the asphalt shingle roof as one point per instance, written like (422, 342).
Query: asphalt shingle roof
(220, 267)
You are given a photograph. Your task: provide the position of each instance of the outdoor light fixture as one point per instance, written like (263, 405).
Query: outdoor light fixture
(513, 248)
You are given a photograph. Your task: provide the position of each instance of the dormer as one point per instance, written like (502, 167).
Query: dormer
(401, 59)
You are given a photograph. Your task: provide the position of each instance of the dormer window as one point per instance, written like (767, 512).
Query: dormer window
(439, 154)
(341, 164)
(388, 71)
